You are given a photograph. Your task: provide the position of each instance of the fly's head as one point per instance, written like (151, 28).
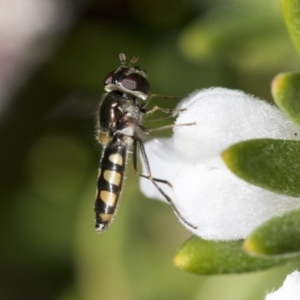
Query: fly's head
(128, 79)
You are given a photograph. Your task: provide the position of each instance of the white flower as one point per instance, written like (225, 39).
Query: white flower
(207, 194)
(290, 290)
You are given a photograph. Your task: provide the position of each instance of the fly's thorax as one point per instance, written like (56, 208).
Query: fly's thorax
(132, 109)
(110, 111)
(114, 111)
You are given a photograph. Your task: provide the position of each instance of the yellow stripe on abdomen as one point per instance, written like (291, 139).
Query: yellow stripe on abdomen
(112, 177)
(105, 217)
(116, 159)
(108, 198)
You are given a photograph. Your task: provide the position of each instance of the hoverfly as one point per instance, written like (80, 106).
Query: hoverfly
(119, 130)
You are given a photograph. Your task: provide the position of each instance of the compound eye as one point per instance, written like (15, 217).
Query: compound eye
(108, 78)
(136, 82)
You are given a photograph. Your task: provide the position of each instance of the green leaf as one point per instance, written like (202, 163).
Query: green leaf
(286, 94)
(211, 257)
(291, 15)
(268, 163)
(278, 236)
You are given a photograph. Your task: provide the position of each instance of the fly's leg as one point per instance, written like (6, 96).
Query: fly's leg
(155, 180)
(172, 111)
(145, 131)
(170, 127)
(149, 98)
(137, 172)
(169, 111)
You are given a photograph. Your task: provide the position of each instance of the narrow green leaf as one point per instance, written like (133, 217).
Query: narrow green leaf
(211, 257)
(278, 236)
(268, 163)
(286, 94)
(291, 15)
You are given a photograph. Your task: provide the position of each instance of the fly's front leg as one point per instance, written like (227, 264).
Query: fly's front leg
(155, 180)
(165, 110)
(149, 98)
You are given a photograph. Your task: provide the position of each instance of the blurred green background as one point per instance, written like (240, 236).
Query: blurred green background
(49, 157)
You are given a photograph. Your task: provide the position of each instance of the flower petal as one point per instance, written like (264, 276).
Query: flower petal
(206, 193)
(289, 290)
(224, 117)
(222, 206)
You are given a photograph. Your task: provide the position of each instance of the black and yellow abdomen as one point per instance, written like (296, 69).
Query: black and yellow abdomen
(110, 181)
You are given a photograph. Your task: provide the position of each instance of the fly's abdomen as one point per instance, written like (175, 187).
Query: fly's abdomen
(109, 184)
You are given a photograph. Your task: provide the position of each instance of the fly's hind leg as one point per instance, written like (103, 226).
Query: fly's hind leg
(155, 180)
(137, 172)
